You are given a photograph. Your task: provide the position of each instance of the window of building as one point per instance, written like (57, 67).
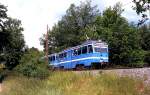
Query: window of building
(90, 49)
(84, 50)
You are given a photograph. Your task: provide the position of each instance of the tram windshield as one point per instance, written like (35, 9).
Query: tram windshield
(90, 49)
(98, 49)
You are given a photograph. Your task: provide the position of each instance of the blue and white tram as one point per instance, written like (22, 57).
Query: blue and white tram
(82, 55)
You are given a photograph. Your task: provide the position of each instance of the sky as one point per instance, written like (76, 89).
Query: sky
(35, 15)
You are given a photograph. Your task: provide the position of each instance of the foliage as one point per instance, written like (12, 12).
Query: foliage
(31, 65)
(123, 39)
(147, 57)
(135, 58)
(14, 48)
(141, 7)
(69, 83)
(11, 39)
(145, 34)
(3, 34)
(145, 41)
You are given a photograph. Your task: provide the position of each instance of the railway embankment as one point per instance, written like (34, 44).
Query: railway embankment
(140, 73)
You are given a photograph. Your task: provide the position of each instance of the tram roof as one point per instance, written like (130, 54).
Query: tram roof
(89, 42)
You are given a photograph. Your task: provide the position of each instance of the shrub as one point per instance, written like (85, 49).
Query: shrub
(31, 65)
(147, 57)
(135, 58)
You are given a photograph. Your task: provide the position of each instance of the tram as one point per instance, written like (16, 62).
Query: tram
(90, 53)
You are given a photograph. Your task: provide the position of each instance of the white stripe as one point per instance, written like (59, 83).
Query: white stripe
(82, 59)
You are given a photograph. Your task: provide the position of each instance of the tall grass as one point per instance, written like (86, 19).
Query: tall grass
(69, 83)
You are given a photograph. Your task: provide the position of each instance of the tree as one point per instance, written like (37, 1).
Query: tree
(145, 37)
(14, 49)
(11, 39)
(145, 41)
(122, 38)
(141, 7)
(3, 33)
(72, 25)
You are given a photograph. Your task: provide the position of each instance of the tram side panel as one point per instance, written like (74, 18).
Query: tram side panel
(66, 62)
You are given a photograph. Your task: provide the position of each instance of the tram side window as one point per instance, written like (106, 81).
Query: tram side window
(79, 51)
(75, 52)
(57, 57)
(52, 58)
(90, 49)
(84, 50)
(61, 55)
(65, 54)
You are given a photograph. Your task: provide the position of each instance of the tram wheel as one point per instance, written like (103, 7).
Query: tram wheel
(79, 67)
(103, 65)
(61, 68)
(95, 66)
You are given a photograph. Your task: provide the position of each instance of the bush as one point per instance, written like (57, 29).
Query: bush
(147, 57)
(31, 65)
(32, 70)
(135, 58)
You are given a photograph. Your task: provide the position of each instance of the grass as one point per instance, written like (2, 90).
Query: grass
(69, 83)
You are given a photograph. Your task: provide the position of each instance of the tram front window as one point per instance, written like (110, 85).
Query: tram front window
(100, 49)
(90, 49)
